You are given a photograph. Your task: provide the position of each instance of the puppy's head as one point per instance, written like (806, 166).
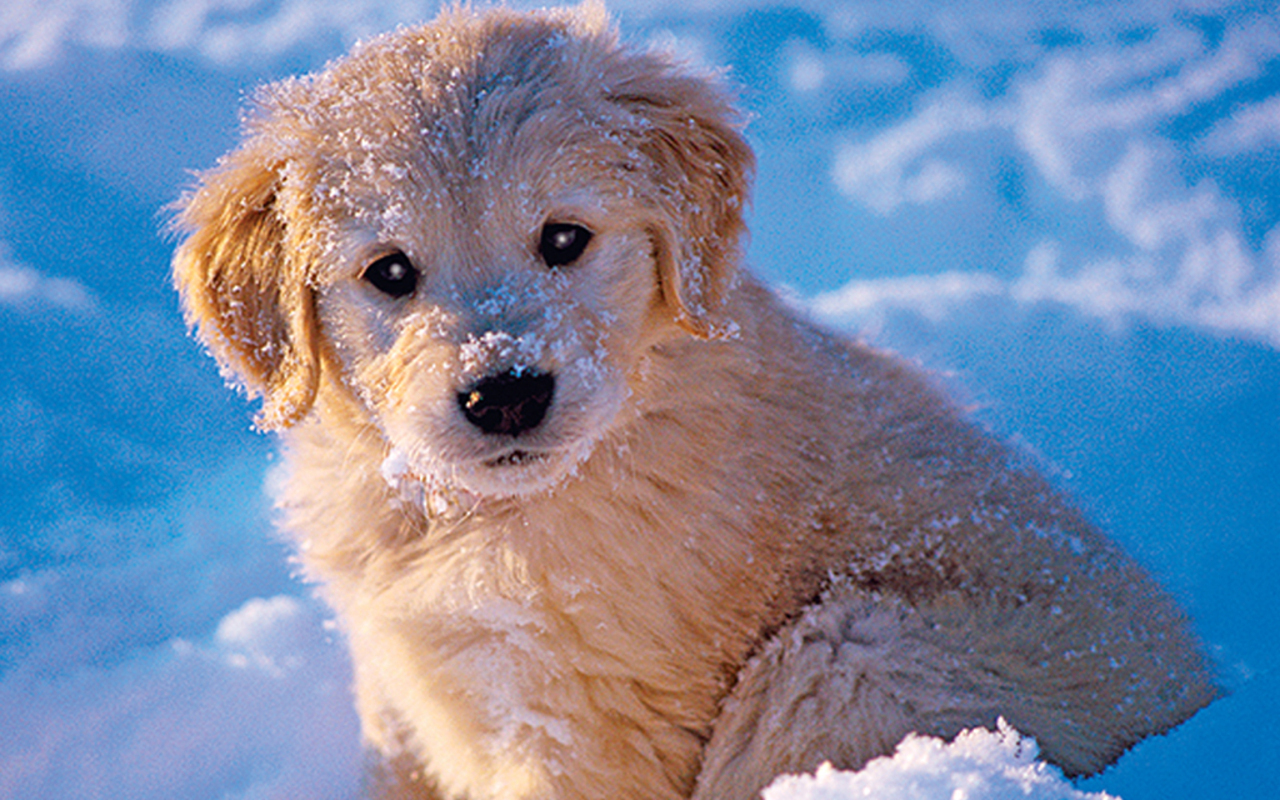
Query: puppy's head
(475, 229)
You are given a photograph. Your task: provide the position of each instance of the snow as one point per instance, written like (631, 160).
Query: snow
(188, 719)
(978, 765)
(1067, 212)
(1087, 132)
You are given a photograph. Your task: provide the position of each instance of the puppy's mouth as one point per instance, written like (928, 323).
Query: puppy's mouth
(515, 458)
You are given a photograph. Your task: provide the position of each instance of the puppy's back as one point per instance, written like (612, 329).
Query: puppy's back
(962, 586)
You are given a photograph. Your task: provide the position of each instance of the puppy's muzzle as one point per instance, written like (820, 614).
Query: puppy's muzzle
(509, 404)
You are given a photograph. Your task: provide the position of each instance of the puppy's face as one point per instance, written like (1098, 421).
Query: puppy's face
(489, 326)
(477, 229)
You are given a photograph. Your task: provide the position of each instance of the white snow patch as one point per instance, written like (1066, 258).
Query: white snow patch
(1252, 129)
(978, 765)
(265, 634)
(902, 165)
(265, 700)
(23, 286)
(1090, 122)
(33, 33)
(839, 69)
(933, 296)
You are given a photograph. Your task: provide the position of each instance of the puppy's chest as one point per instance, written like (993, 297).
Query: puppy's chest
(525, 666)
(552, 609)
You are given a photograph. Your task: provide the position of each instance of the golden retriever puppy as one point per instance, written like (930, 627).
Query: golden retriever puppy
(601, 518)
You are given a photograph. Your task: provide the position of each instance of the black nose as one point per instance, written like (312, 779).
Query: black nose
(509, 404)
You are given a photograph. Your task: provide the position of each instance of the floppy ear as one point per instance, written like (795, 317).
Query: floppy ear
(243, 290)
(703, 170)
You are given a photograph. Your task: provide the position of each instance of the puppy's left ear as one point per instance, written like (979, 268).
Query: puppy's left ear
(246, 290)
(704, 169)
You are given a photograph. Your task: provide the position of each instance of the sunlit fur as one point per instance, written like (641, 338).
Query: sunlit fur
(737, 545)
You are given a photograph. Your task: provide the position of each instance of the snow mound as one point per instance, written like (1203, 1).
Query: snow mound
(979, 765)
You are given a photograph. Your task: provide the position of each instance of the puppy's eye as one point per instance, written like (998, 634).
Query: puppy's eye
(562, 243)
(393, 275)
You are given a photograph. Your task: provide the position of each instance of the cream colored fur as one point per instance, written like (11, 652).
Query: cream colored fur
(736, 546)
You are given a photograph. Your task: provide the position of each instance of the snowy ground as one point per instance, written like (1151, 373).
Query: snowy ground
(1070, 214)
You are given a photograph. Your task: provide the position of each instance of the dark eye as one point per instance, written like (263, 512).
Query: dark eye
(562, 243)
(393, 275)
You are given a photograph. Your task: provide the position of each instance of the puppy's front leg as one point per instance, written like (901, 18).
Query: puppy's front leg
(843, 683)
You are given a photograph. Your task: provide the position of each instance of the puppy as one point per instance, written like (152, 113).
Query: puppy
(600, 517)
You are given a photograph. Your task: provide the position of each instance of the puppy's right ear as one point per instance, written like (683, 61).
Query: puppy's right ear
(244, 291)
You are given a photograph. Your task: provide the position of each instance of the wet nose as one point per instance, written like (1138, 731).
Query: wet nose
(508, 404)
